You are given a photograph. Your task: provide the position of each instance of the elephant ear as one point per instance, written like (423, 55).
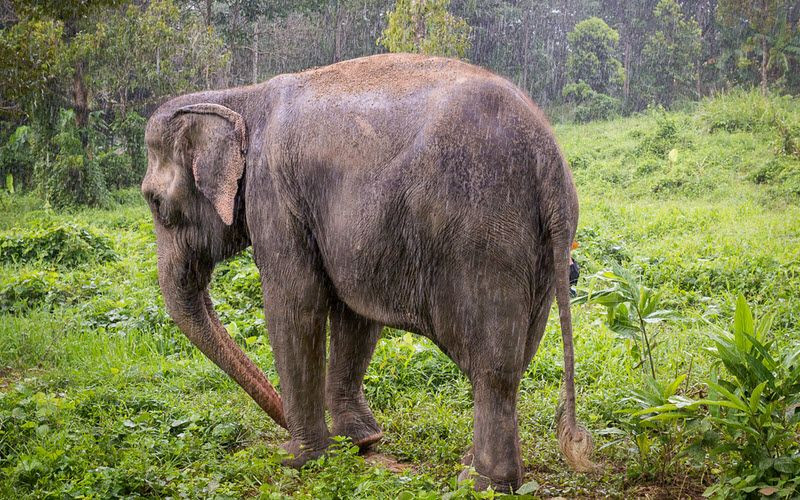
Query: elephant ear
(217, 140)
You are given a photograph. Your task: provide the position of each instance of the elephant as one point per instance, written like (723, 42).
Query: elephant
(416, 192)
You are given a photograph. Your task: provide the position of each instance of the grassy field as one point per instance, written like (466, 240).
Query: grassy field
(101, 395)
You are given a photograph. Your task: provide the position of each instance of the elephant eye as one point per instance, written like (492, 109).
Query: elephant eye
(160, 211)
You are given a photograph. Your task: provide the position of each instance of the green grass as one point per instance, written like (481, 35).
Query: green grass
(100, 394)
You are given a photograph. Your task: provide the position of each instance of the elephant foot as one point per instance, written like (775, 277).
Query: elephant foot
(361, 428)
(300, 454)
(483, 482)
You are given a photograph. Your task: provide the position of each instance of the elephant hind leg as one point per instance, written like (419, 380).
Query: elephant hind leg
(496, 449)
(353, 340)
(493, 357)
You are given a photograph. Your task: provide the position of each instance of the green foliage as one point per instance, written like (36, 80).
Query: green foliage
(663, 138)
(138, 53)
(591, 105)
(63, 244)
(630, 308)
(754, 406)
(17, 157)
(32, 56)
(426, 27)
(121, 59)
(71, 177)
(68, 173)
(30, 289)
(593, 56)
(670, 55)
(658, 424)
(750, 111)
(769, 35)
(119, 148)
(772, 116)
(753, 411)
(406, 364)
(598, 107)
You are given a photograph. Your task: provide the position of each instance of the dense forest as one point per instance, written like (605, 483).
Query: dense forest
(78, 79)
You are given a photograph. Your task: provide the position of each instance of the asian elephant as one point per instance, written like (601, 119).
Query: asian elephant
(418, 192)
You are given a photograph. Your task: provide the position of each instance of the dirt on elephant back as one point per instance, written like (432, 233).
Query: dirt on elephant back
(396, 73)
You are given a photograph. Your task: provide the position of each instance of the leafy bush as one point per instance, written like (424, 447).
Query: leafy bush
(751, 111)
(442, 33)
(630, 308)
(64, 244)
(661, 140)
(72, 166)
(71, 177)
(753, 415)
(657, 427)
(591, 105)
(17, 158)
(593, 56)
(754, 406)
(29, 289)
(119, 148)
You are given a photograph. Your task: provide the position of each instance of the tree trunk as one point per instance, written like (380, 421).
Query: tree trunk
(626, 83)
(80, 101)
(208, 12)
(255, 51)
(336, 56)
(418, 18)
(764, 64)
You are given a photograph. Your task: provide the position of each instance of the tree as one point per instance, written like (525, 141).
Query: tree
(108, 63)
(427, 27)
(769, 29)
(70, 16)
(140, 55)
(31, 61)
(593, 56)
(670, 55)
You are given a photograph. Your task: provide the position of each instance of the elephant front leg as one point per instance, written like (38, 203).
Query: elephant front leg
(296, 324)
(353, 340)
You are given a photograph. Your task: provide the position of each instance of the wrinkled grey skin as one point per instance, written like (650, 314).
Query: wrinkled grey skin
(421, 193)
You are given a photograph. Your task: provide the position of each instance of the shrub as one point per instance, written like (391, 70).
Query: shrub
(591, 105)
(119, 148)
(65, 244)
(658, 428)
(29, 289)
(599, 107)
(442, 33)
(16, 157)
(633, 310)
(663, 138)
(593, 56)
(753, 411)
(71, 177)
(754, 406)
(751, 111)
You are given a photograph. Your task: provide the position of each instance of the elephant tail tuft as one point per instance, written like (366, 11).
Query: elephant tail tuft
(574, 440)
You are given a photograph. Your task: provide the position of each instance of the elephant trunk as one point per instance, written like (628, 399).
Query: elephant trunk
(184, 284)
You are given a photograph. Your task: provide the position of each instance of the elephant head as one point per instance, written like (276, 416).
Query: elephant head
(194, 187)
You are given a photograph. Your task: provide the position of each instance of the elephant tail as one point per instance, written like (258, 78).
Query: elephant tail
(574, 440)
